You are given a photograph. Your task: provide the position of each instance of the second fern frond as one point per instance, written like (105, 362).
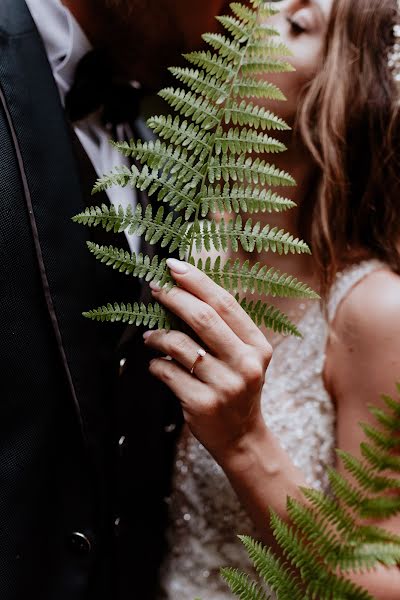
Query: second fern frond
(329, 537)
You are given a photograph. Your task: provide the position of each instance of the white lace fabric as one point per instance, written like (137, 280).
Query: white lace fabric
(205, 514)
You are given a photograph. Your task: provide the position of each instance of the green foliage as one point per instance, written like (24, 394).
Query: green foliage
(210, 157)
(329, 537)
(138, 314)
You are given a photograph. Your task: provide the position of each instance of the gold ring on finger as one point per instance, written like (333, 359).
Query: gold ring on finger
(200, 355)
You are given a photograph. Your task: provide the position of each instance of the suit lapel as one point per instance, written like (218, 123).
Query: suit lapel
(51, 185)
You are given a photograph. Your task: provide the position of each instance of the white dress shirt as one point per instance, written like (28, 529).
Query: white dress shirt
(65, 44)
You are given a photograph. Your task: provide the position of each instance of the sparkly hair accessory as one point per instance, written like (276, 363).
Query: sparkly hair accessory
(394, 57)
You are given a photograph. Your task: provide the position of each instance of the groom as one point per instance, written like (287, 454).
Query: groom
(86, 439)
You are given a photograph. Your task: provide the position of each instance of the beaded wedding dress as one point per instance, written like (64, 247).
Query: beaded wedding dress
(205, 514)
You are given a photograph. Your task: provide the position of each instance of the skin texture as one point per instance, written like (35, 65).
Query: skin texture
(302, 26)
(221, 401)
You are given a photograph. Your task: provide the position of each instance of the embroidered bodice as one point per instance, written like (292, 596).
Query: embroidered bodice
(205, 514)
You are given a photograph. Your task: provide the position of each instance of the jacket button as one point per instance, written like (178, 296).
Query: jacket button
(80, 543)
(122, 444)
(170, 428)
(117, 526)
(122, 364)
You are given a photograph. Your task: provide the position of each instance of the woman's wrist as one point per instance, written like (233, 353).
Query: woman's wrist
(262, 474)
(245, 451)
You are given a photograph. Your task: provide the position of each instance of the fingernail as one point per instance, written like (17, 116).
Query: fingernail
(147, 334)
(155, 287)
(177, 266)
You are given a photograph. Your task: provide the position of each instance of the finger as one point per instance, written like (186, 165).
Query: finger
(188, 389)
(204, 320)
(183, 349)
(200, 285)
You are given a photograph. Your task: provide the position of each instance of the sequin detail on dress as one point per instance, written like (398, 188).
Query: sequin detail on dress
(205, 514)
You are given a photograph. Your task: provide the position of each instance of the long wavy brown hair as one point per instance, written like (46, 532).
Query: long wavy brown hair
(350, 123)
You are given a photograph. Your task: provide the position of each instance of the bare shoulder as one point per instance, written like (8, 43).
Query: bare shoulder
(363, 351)
(371, 310)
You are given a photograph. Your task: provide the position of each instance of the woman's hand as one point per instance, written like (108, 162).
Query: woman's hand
(221, 399)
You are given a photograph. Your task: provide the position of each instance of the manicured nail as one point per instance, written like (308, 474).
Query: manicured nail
(155, 287)
(147, 334)
(177, 266)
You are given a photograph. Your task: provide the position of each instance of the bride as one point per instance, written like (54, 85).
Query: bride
(252, 440)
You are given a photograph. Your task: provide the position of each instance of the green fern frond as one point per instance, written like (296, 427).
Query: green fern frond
(366, 506)
(234, 275)
(181, 132)
(241, 198)
(343, 522)
(222, 235)
(172, 191)
(246, 15)
(173, 188)
(391, 422)
(247, 170)
(319, 582)
(365, 475)
(252, 66)
(166, 157)
(239, 141)
(327, 538)
(270, 568)
(155, 228)
(241, 585)
(254, 88)
(226, 47)
(189, 104)
(269, 316)
(138, 265)
(203, 84)
(348, 556)
(262, 32)
(294, 548)
(362, 557)
(253, 116)
(235, 28)
(379, 459)
(392, 405)
(151, 316)
(313, 528)
(120, 176)
(267, 49)
(212, 64)
(207, 159)
(333, 514)
(379, 439)
(371, 534)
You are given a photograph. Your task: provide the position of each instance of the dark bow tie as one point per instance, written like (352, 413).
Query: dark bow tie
(95, 88)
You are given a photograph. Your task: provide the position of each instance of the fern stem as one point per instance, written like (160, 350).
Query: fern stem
(213, 140)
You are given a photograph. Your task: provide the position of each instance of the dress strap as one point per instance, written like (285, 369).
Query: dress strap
(345, 282)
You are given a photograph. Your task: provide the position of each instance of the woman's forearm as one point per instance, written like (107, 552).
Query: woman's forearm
(263, 476)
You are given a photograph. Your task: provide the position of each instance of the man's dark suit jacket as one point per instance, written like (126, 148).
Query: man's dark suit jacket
(85, 445)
